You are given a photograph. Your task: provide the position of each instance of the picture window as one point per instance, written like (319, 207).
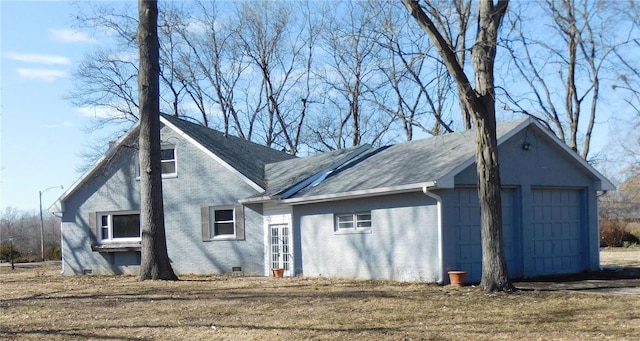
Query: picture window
(119, 227)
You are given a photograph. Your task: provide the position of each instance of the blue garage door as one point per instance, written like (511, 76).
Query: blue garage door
(554, 239)
(468, 235)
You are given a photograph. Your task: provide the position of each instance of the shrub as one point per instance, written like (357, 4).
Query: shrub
(630, 239)
(55, 252)
(612, 233)
(8, 252)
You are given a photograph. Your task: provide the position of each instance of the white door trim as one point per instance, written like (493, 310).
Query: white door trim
(277, 214)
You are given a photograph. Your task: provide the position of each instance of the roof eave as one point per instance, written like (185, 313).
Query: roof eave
(360, 193)
(601, 184)
(58, 205)
(258, 200)
(209, 153)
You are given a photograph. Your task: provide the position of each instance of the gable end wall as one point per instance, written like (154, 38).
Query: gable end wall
(200, 182)
(543, 166)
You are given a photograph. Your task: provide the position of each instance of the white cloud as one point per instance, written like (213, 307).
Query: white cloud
(38, 58)
(71, 36)
(62, 124)
(100, 112)
(47, 75)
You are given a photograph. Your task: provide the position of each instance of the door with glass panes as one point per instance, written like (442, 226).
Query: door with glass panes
(280, 252)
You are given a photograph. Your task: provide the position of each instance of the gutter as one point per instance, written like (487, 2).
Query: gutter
(357, 194)
(425, 190)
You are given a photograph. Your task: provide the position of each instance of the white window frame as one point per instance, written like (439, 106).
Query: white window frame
(174, 160)
(212, 222)
(358, 222)
(109, 227)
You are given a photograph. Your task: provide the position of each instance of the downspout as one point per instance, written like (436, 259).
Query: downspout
(602, 193)
(426, 191)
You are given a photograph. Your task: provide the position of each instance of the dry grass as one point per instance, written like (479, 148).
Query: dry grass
(40, 304)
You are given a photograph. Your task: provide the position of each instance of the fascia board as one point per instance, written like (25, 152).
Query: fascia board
(447, 181)
(202, 148)
(360, 194)
(58, 205)
(257, 200)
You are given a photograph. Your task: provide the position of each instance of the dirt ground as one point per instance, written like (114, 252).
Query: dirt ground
(620, 274)
(38, 303)
(612, 257)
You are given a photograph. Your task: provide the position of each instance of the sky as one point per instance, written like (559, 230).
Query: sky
(43, 136)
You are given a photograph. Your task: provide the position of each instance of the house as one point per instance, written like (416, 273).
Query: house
(406, 212)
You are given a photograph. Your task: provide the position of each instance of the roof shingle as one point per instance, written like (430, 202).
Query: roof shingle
(246, 157)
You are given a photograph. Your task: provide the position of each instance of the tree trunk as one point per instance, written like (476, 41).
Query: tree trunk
(494, 267)
(155, 262)
(480, 102)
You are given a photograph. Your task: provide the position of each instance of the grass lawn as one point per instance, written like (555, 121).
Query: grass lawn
(41, 304)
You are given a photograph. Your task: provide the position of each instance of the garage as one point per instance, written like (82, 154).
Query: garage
(554, 237)
(549, 235)
(469, 241)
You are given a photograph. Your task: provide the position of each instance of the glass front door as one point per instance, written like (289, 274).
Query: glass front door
(280, 254)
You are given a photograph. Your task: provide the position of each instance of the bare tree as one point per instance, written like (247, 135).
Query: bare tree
(275, 53)
(155, 262)
(106, 79)
(561, 68)
(418, 91)
(480, 102)
(350, 76)
(20, 231)
(453, 23)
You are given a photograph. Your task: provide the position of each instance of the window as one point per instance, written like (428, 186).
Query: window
(359, 222)
(119, 227)
(222, 223)
(168, 160)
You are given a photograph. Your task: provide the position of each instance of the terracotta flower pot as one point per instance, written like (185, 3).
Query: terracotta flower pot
(278, 272)
(456, 278)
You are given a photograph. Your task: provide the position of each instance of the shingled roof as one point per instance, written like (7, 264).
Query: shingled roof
(247, 157)
(431, 162)
(409, 163)
(283, 175)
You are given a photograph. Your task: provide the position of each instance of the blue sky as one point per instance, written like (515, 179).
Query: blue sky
(42, 134)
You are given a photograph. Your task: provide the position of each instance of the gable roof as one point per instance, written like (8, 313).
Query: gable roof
(244, 158)
(409, 166)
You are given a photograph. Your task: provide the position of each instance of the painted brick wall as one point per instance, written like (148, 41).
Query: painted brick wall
(403, 243)
(201, 181)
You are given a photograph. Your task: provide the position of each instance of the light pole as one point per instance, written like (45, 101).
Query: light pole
(42, 221)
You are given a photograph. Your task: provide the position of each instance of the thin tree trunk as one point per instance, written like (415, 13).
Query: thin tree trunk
(155, 262)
